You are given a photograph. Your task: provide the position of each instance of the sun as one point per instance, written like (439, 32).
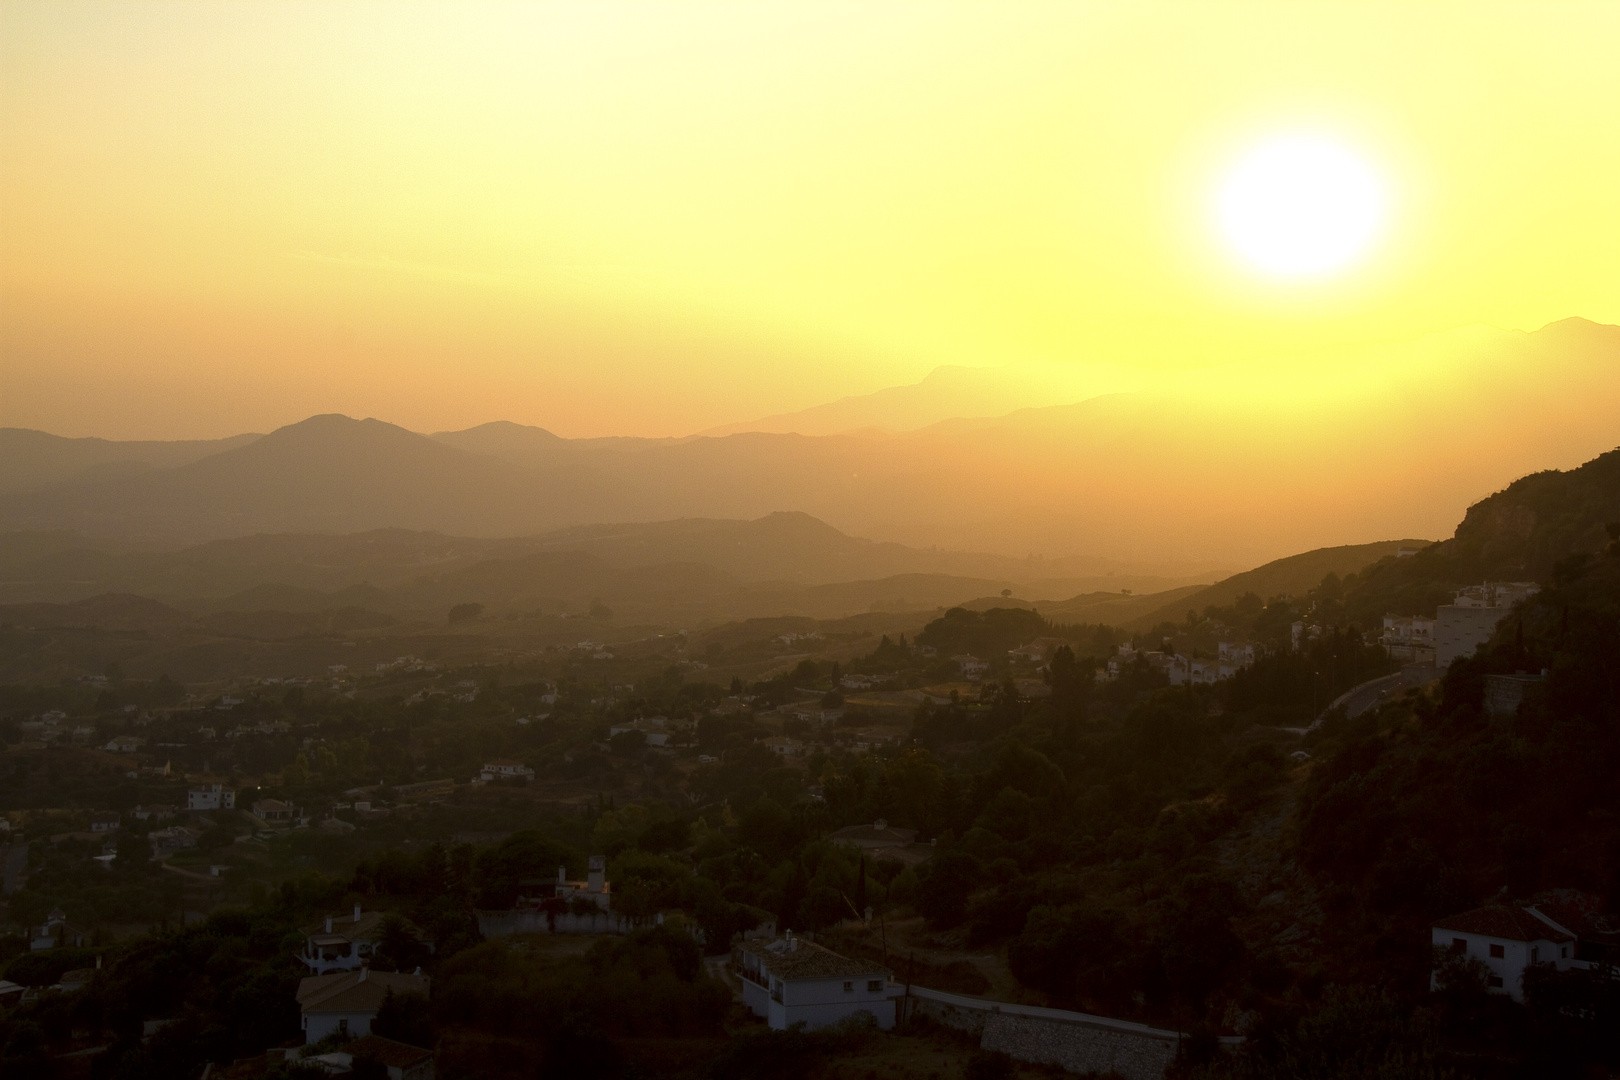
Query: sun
(1301, 206)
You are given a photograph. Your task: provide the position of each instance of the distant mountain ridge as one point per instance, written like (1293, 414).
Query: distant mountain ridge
(1388, 441)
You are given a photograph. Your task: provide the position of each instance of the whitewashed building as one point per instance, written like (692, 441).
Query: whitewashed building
(345, 1003)
(339, 944)
(1469, 621)
(1409, 638)
(788, 981)
(211, 797)
(595, 888)
(505, 769)
(1508, 940)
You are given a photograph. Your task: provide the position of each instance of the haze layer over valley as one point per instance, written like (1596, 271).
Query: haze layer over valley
(1198, 478)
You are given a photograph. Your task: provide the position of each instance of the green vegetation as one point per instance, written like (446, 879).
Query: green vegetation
(1178, 855)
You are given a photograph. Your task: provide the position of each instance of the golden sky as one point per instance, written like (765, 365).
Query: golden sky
(655, 218)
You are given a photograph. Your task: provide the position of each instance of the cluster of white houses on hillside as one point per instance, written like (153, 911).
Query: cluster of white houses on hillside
(1458, 628)
(1230, 658)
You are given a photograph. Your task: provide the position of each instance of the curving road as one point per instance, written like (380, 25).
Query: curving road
(1374, 692)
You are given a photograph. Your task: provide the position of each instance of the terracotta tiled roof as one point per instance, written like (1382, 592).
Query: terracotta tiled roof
(799, 959)
(1502, 921)
(387, 1051)
(356, 991)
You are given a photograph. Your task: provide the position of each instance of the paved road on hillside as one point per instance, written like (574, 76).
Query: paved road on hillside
(1374, 692)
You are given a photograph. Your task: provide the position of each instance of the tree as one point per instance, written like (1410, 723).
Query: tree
(405, 1018)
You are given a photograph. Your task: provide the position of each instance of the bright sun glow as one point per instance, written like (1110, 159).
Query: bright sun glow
(1301, 206)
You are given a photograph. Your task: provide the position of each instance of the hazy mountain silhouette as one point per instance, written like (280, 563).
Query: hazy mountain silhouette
(1385, 440)
(35, 460)
(946, 392)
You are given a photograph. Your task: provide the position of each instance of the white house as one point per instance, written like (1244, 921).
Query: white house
(339, 944)
(211, 797)
(55, 931)
(107, 822)
(1468, 622)
(175, 838)
(505, 769)
(1235, 653)
(124, 744)
(788, 981)
(970, 666)
(595, 887)
(275, 812)
(1508, 940)
(1409, 638)
(783, 746)
(345, 1003)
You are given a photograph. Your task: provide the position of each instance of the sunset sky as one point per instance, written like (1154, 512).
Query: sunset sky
(650, 218)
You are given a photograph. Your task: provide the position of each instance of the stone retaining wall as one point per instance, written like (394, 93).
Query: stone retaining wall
(1077, 1042)
(1079, 1048)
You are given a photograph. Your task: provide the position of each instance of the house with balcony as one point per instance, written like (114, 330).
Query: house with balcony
(789, 980)
(1409, 638)
(339, 944)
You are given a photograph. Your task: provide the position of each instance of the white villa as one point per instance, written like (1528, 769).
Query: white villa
(345, 1003)
(1561, 929)
(789, 981)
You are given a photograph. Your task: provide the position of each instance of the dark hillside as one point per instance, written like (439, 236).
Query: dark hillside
(1294, 576)
(1518, 534)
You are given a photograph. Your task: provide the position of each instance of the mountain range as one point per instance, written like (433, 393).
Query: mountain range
(1177, 480)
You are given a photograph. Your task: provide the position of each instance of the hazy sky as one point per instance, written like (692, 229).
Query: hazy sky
(654, 218)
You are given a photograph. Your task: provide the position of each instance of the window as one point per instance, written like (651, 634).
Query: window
(1496, 951)
(1563, 952)
(1495, 981)
(1535, 954)
(874, 985)
(849, 988)
(343, 1026)
(1459, 945)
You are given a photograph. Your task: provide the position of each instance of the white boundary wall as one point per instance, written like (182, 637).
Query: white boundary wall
(1078, 1042)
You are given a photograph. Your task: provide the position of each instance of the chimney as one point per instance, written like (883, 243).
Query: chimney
(357, 913)
(598, 873)
(363, 970)
(562, 875)
(329, 924)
